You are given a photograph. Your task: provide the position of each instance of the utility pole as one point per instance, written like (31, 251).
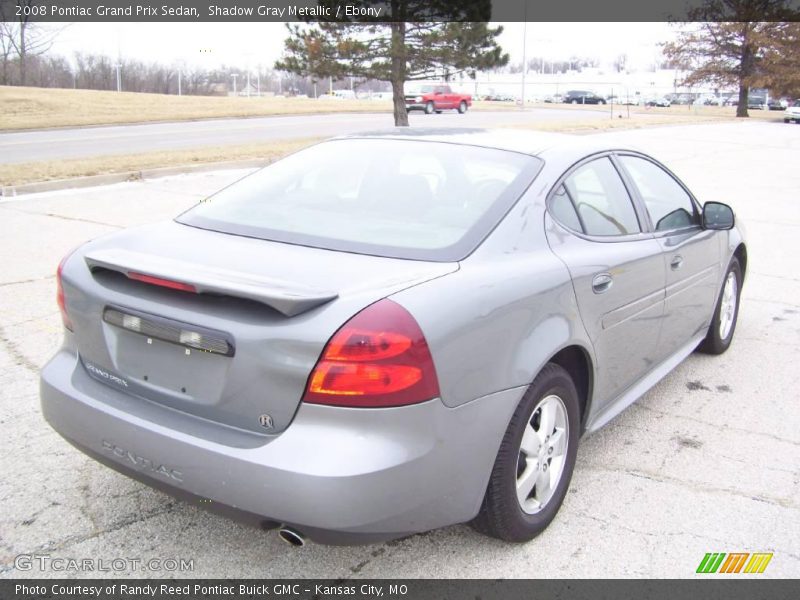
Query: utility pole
(179, 82)
(234, 75)
(119, 60)
(524, 51)
(248, 83)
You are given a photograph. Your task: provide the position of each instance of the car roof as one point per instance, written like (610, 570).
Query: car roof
(533, 143)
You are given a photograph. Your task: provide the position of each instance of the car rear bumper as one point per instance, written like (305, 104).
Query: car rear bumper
(337, 475)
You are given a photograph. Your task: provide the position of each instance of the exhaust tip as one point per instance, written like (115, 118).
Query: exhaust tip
(292, 537)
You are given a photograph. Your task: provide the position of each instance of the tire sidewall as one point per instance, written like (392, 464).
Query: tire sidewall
(514, 524)
(462, 107)
(714, 342)
(429, 108)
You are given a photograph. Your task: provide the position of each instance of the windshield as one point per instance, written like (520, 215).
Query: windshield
(388, 197)
(421, 89)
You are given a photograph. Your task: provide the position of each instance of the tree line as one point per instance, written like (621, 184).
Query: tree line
(743, 43)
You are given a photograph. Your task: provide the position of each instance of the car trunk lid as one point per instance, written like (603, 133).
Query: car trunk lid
(235, 341)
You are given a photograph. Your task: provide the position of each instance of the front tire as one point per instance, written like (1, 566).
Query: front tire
(534, 465)
(429, 108)
(723, 323)
(462, 107)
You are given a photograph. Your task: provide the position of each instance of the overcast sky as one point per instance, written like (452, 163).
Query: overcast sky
(212, 44)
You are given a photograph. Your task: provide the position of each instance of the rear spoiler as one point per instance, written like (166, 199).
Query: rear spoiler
(287, 298)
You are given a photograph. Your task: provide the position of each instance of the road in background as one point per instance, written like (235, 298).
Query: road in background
(56, 144)
(707, 461)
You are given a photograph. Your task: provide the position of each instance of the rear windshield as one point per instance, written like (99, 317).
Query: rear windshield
(387, 197)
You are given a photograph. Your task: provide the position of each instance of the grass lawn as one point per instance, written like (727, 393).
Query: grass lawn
(18, 174)
(40, 108)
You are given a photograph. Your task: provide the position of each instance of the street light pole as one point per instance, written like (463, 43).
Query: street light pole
(234, 75)
(179, 82)
(524, 51)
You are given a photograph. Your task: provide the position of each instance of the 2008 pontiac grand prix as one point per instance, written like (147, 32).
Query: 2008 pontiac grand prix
(392, 332)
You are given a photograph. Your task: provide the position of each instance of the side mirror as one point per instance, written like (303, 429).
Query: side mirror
(717, 215)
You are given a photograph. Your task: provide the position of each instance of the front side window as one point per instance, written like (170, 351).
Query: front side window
(601, 200)
(386, 197)
(669, 205)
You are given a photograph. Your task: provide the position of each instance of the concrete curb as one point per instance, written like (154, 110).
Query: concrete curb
(96, 180)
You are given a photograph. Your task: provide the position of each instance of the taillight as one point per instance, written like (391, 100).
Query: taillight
(62, 303)
(378, 358)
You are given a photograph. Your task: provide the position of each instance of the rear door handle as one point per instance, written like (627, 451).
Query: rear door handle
(676, 263)
(602, 283)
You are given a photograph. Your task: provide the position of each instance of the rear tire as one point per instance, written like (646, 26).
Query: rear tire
(429, 108)
(574, 102)
(540, 445)
(462, 107)
(723, 323)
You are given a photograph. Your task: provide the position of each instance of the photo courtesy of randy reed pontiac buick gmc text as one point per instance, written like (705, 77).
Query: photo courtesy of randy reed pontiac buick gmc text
(197, 589)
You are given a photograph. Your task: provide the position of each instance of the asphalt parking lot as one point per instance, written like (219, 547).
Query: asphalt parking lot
(708, 461)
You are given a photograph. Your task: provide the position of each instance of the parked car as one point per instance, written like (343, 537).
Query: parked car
(662, 102)
(500, 98)
(757, 102)
(630, 100)
(554, 99)
(391, 332)
(792, 113)
(777, 104)
(436, 98)
(583, 97)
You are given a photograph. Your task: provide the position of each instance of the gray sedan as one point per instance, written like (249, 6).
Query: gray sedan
(388, 333)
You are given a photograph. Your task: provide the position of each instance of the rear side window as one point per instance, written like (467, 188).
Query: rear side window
(386, 197)
(601, 200)
(563, 210)
(668, 204)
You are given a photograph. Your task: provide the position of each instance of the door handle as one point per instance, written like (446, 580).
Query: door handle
(676, 263)
(602, 283)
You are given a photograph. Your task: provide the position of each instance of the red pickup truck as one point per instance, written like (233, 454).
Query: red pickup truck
(436, 98)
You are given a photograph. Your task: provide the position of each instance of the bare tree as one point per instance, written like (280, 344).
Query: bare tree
(28, 38)
(729, 46)
(7, 34)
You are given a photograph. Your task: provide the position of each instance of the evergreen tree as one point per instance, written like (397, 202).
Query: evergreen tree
(418, 39)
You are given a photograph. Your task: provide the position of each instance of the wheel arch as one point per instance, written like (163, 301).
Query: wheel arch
(577, 361)
(741, 254)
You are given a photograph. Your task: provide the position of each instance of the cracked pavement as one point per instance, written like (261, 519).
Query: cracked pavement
(707, 461)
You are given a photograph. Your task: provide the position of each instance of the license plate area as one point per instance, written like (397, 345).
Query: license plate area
(166, 370)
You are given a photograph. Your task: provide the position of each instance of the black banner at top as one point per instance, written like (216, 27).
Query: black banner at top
(188, 11)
